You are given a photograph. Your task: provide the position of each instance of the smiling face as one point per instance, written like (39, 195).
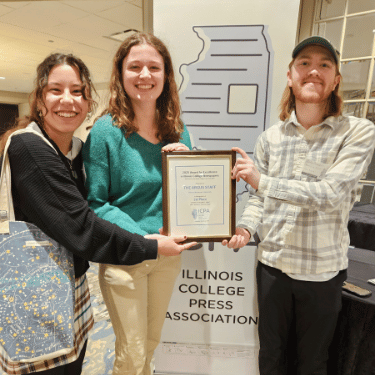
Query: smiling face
(65, 107)
(143, 74)
(313, 75)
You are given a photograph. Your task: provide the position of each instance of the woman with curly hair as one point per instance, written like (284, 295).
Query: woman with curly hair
(48, 191)
(122, 158)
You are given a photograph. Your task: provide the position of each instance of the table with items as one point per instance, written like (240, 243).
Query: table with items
(361, 226)
(353, 348)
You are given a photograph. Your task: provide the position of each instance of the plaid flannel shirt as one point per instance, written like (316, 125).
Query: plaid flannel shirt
(308, 185)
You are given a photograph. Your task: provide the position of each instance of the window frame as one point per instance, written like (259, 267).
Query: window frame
(309, 21)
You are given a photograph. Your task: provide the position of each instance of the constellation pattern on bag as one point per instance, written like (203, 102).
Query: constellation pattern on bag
(36, 292)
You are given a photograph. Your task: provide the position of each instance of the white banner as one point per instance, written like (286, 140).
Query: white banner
(229, 56)
(214, 298)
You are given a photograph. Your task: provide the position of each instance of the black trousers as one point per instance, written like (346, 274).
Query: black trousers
(297, 320)
(73, 368)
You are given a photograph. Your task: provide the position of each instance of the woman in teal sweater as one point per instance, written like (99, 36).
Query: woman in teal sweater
(122, 158)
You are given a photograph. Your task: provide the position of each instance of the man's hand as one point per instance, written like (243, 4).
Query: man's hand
(240, 239)
(175, 147)
(245, 169)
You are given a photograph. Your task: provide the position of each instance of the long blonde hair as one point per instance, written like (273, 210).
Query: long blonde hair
(169, 125)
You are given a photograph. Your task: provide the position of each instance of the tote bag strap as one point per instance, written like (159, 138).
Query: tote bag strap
(6, 199)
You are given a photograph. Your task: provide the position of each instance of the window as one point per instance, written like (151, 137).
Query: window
(349, 25)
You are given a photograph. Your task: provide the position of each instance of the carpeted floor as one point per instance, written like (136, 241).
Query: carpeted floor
(100, 350)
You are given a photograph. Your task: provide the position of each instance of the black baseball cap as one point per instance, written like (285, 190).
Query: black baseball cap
(319, 40)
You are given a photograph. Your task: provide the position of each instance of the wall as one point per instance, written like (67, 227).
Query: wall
(13, 97)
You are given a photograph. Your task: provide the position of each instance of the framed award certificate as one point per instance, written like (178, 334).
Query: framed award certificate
(199, 195)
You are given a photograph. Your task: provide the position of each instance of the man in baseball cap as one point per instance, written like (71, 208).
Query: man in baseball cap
(304, 177)
(318, 40)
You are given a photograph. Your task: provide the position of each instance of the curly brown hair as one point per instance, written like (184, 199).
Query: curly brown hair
(169, 125)
(36, 97)
(288, 101)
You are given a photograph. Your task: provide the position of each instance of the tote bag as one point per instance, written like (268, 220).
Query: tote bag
(36, 284)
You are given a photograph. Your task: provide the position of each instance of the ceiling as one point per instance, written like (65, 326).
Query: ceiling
(30, 30)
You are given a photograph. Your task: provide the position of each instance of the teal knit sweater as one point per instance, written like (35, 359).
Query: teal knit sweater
(124, 178)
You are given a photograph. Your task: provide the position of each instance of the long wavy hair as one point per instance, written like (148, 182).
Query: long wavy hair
(36, 99)
(288, 100)
(169, 125)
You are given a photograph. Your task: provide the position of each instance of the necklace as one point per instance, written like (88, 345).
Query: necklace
(70, 162)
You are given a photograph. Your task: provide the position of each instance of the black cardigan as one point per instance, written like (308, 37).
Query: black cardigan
(45, 194)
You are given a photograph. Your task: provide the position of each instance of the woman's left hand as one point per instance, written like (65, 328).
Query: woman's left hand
(175, 147)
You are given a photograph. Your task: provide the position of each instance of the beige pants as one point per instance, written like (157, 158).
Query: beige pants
(137, 299)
